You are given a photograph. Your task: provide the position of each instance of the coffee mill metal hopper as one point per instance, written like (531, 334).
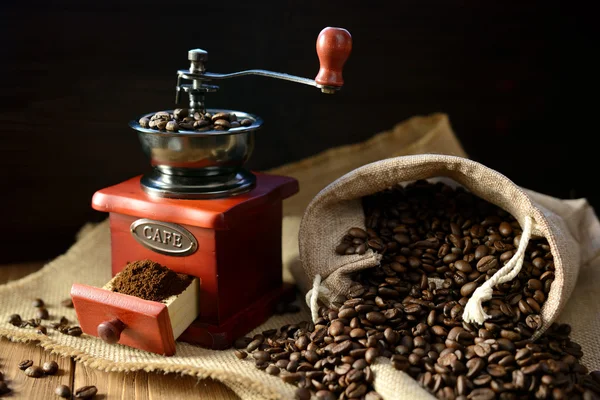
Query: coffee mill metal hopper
(209, 164)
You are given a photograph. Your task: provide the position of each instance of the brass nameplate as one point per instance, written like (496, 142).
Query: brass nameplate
(164, 237)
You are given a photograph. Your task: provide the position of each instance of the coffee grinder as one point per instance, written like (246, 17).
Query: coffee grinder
(201, 213)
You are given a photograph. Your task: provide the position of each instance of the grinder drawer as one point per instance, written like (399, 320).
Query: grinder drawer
(147, 325)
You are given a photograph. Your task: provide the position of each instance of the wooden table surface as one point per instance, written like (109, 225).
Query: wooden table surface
(113, 385)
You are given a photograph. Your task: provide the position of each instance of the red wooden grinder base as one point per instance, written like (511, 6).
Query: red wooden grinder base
(237, 258)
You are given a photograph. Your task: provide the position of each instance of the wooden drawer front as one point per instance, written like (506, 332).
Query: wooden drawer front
(147, 323)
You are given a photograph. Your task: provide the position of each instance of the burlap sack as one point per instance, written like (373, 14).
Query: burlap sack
(338, 207)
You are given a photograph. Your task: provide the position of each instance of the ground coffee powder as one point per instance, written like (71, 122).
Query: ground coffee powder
(149, 280)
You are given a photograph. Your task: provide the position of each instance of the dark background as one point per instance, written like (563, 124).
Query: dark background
(515, 78)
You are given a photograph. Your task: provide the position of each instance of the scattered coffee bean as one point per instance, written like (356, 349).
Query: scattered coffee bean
(358, 233)
(505, 229)
(261, 356)
(23, 365)
(42, 313)
(62, 329)
(292, 377)
(38, 303)
(63, 391)
(74, 331)
(41, 330)
(15, 319)
(482, 394)
(50, 367)
(341, 348)
(302, 394)
(34, 371)
(533, 321)
(253, 345)
(241, 354)
(468, 289)
(326, 395)
(463, 266)
(86, 392)
(261, 365)
(487, 263)
(272, 370)
(33, 322)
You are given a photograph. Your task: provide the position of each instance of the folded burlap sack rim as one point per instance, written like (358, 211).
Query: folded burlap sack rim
(338, 206)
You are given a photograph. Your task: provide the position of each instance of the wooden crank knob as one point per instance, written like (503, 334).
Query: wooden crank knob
(110, 331)
(333, 48)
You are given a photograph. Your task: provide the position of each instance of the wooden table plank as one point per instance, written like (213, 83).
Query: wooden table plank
(150, 386)
(13, 272)
(24, 387)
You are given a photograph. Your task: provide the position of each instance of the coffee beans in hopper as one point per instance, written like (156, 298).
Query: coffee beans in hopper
(180, 120)
(438, 244)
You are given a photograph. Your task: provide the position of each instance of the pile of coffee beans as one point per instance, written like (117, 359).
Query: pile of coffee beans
(84, 392)
(199, 122)
(438, 244)
(48, 368)
(42, 311)
(34, 371)
(62, 325)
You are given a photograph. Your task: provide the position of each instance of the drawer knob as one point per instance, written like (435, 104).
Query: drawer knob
(110, 331)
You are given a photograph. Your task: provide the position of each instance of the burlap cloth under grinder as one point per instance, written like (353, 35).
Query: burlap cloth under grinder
(88, 261)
